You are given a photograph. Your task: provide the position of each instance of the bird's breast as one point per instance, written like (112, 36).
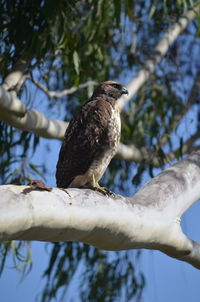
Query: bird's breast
(105, 151)
(109, 147)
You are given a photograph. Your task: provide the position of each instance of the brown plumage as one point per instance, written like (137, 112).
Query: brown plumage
(91, 139)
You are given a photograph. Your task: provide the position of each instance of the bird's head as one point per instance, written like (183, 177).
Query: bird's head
(112, 89)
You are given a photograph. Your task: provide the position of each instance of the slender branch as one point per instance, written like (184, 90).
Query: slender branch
(150, 219)
(53, 94)
(159, 52)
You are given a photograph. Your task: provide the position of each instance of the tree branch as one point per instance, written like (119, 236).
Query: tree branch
(138, 155)
(11, 104)
(150, 219)
(14, 80)
(53, 94)
(36, 122)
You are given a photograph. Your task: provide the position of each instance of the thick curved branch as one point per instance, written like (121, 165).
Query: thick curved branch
(150, 219)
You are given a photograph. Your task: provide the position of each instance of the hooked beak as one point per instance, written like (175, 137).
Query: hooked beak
(124, 90)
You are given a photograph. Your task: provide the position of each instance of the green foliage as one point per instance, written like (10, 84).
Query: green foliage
(96, 281)
(66, 43)
(15, 165)
(21, 255)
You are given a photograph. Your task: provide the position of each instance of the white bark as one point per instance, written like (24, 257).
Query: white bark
(9, 103)
(36, 122)
(14, 80)
(150, 219)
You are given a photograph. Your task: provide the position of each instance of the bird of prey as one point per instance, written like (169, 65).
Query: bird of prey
(91, 139)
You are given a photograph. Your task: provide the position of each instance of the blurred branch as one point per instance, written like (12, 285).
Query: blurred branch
(191, 101)
(150, 219)
(138, 155)
(53, 94)
(15, 79)
(159, 52)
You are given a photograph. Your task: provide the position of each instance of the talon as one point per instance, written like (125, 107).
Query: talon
(98, 188)
(65, 190)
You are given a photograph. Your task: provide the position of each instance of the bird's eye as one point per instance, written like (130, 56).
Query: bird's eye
(116, 86)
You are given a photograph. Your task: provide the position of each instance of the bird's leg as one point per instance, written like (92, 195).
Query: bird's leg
(96, 187)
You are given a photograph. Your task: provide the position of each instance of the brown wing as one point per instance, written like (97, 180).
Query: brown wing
(85, 140)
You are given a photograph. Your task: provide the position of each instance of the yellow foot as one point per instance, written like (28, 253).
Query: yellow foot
(98, 188)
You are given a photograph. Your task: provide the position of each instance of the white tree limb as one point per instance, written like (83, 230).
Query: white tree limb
(14, 80)
(36, 122)
(150, 219)
(11, 104)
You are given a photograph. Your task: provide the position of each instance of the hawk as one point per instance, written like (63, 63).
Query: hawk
(91, 139)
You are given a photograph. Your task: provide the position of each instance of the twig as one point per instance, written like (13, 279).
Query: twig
(53, 94)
